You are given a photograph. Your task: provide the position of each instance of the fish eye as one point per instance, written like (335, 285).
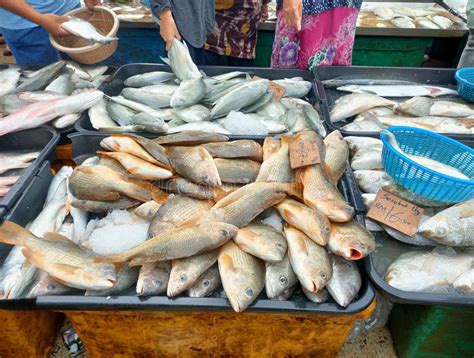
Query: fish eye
(283, 280)
(249, 291)
(157, 282)
(206, 283)
(183, 277)
(51, 286)
(224, 232)
(323, 275)
(327, 229)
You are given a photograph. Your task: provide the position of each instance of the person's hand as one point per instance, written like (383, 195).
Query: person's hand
(293, 13)
(52, 24)
(91, 3)
(264, 13)
(168, 29)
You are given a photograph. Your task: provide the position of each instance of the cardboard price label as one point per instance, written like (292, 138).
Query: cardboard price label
(397, 213)
(278, 91)
(303, 153)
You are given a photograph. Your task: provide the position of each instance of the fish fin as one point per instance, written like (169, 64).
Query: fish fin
(296, 190)
(53, 236)
(104, 154)
(113, 259)
(67, 269)
(160, 196)
(326, 171)
(29, 254)
(226, 262)
(165, 60)
(14, 234)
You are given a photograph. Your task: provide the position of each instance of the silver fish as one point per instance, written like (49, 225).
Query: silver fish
(8, 80)
(86, 30)
(316, 297)
(400, 90)
(42, 78)
(371, 181)
(346, 80)
(153, 278)
(345, 282)
(12, 160)
(465, 282)
(62, 85)
(279, 276)
(150, 98)
(293, 88)
(353, 104)
(188, 93)
(206, 284)
(193, 114)
(99, 116)
(66, 121)
(126, 278)
(181, 62)
(148, 78)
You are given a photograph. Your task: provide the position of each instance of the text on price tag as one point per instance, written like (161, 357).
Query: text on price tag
(303, 153)
(397, 213)
(277, 90)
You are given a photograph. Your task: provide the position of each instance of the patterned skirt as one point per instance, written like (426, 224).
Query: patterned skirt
(325, 39)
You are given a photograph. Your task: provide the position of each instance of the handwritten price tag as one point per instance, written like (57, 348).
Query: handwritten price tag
(278, 91)
(397, 213)
(303, 153)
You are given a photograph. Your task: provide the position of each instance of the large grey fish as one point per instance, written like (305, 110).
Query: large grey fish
(353, 104)
(153, 99)
(120, 113)
(310, 261)
(428, 271)
(453, 226)
(162, 114)
(42, 78)
(206, 284)
(194, 113)
(293, 88)
(62, 85)
(148, 79)
(261, 241)
(243, 276)
(82, 28)
(262, 101)
(186, 271)
(153, 278)
(99, 116)
(177, 243)
(240, 97)
(279, 276)
(150, 122)
(345, 282)
(188, 93)
(61, 258)
(181, 62)
(217, 90)
(9, 78)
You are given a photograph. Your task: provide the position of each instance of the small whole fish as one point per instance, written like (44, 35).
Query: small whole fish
(337, 155)
(138, 167)
(148, 79)
(242, 275)
(12, 160)
(47, 285)
(424, 106)
(188, 93)
(347, 80)
(453, 226)
(62, 85)
(368, 159)
(41, 78)
(66, 121)
(104, 184)
(239, 123)
(383, 13)
(126, 278)
(370, 181)
(399, 90)
(432, 271)
(286, 295)
(94, 206)
(127, 144)
(147, 210)
(61, 258)
(237, 171)
(177, 243)
(465, 282)
(350, 240)
(403, 23)
(8, 80)
(186, 271)
(270, 145)
(157, 151)
(153, 278)
(86, 30)
(310, 221)
(345, 282)
(277, 167)
(261, 241)
(310, 261)
(316, 297)
(191, 138)
(120, 114)
(296, 89)
(150, 122)
(353, 104)
(181, 62)
(193, 113)
(206, 284)
(184, 187)
(99, 116)
(358, 143)
(424, 23)
(243, 148)
(442, 22)
(147, 97)
(194, 164)
(279, 276)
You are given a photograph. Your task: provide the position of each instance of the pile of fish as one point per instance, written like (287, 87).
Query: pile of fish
(189, 211)
(370, 98)
(434, 18)
(187, 99)
(130, 12)
(440, 225)
(11, 164)
(57, 93)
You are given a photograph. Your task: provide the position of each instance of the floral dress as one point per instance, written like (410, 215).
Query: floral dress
(326, 37)
(235, 29)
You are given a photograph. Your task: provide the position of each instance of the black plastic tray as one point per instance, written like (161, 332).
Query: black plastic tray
(84, 145)
(43, 139)
(122, 73)
(28, 206)
(327, 96)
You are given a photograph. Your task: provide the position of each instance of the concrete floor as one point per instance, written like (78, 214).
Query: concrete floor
(377, 344)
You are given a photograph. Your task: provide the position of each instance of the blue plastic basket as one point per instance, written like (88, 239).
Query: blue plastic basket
(422, 180)
(465, 80)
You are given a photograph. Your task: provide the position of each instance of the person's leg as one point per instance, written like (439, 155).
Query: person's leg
(30, 46)
(239, 62)
(286, 45)
(467, 57)
(197, 54)
(214, 59)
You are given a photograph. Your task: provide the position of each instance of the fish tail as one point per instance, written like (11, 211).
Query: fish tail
(14, 234)
(113, 259)
(165, 60)
(295, 189)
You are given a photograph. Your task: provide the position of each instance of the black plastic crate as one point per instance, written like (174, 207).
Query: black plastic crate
(85, 145)
(122, 73)
(43, 139)
(327, 96)
(28, 206)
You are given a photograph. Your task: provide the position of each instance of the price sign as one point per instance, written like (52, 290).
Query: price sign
(303, 153)
(397, 213)
(278, 91)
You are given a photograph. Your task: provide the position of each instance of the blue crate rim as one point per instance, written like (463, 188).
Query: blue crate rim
(395, 129)
(461, 72)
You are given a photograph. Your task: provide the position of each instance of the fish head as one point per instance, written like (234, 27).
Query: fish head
(404, 278)
(438, 230)
(242, 292)
(276, 283)
(151, 284)
(226, 231)
(100, 276)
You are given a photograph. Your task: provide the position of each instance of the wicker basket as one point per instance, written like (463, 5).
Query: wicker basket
(78, 48)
